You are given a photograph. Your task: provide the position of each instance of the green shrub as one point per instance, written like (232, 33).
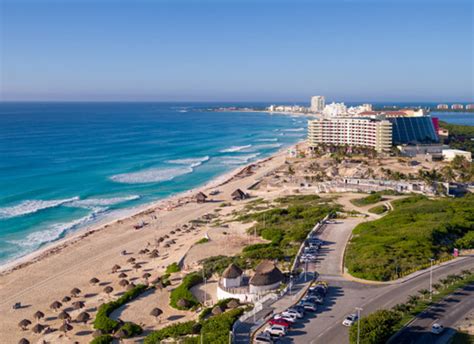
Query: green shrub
(376, 328)
(103, 339)
(172, 268)
(183, 292)
(467, 241)
(371, 199)
(379, 209)
(172, 331)
(102, 320)
(202, 241)
(131, 329)
(216, 329)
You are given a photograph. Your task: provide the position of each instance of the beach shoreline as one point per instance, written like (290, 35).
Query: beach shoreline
(56, 246)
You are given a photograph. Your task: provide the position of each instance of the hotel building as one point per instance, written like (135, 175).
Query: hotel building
(457, 107)
(442, 107)
(317, 103)
(362, 132)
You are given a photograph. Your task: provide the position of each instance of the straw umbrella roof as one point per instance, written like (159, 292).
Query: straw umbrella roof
(78, 304)
(23, 341)
(200, 197)
(108, 289)
(141, 252)
(146, 275)
(75, 291)
(83, 317)
(167, 245)
(266, 273)
(24, 324)
(178, 229)
(38, 328)
(65, 327)
(137, 266)
(38, 315)
(131, 286)
(166, 236)
(156, 312)
(94, 280)
(217, 310)
(122, 275)
(239, 195)
(172, 232)
(121, 334)
(66, 299)
(233, 304)
(160, 239)
(131, 260)
(56, 305)
(123, 283)
(183, 303)
(64, 315)
(232, 271)
(116, 268)
(154, 255)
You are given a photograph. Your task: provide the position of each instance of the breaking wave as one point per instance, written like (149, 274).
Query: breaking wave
(192, 162)
(238, 160)
(234, 149)
(268, 140)
(153, 175)
(32, 206)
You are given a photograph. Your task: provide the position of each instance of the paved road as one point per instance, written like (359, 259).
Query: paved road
(446, 312)
(343, 296)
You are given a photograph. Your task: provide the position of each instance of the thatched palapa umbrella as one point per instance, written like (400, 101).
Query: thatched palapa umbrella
(137, 266)
(161, 239)
(65, 327)
(24, 341)
(116, 268)
(123, 283)
(55, 305)
(97, 333)
(233, 304)
(94, 281)
(64, 315)
(172, 232)
(38, 328)
(131, 286)
(75, 292)
(156, 312)
(166, 236)
(217, 310)
(182, 303)
(108, 289)
(24, 324)
(78, 304)
(66, 299)
(122, 275)
(154, 255)
(38, 315)
(146, 275)
(131, 260)
(83, 317)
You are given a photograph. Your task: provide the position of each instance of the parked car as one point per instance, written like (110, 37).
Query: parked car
(298, 308)
(276, 330)
(350, 320)
(309, 306)
(288, 317)
(314, 298)
(263, 338)
(279, 321)
(293, 311)
(437, 328)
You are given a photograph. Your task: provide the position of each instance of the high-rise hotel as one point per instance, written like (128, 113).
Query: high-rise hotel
(351, 131)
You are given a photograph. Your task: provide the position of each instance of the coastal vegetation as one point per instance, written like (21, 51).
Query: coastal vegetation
(181, 297)
(378, 327)
(371, 199)
(172, 268)
(379, 209)
(406, 238)
(202, 241)
(212, 330)
(460, 136)
(108, 325)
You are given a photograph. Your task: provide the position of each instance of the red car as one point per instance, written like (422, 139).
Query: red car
(280, 322)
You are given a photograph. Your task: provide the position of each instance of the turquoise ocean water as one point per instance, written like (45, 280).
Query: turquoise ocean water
(67, 165)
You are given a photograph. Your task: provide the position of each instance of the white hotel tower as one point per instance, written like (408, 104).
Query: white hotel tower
(317, 103)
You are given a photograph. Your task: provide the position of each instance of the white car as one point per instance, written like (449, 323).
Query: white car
(276, 330)
(288, 317)
(350, 320)
(263, 338)
(291, 311)
(437, 328)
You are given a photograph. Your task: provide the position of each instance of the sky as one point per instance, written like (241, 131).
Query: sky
(229, 50)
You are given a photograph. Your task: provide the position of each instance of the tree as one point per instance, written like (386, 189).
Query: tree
(377, 327)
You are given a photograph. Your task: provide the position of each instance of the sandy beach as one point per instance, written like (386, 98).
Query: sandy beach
(48, 275)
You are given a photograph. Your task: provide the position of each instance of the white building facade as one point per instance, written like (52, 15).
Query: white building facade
(317, 103)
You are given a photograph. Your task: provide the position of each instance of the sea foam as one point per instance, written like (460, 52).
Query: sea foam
(238, 160)
(192, 162)
(295, 129)
(32, 206)
(234, 149)
(268, 140)
(91, 203)
(153, 175)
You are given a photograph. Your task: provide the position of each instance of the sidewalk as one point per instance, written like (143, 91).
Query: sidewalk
(243, 331)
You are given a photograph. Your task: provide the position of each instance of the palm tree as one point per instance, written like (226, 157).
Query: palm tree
(413, 299)
(424, 292)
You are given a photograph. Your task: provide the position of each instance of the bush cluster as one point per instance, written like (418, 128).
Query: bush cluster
(172, 268)
(172, 331)
(103, 339)
(376, 328)
(371, 199)
(183, 292)
(103, 322)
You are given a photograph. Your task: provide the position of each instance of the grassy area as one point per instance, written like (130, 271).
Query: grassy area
(460, 136)
(379, 209)
(405, 239)
(285, 226)
(181, 297)
(462, 338)
(202, 241)
(172, 268)
(371, 199)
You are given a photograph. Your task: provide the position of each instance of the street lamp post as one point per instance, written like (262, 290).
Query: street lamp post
(358, 309)
(431, 278)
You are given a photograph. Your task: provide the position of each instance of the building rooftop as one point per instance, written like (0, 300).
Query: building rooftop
(266, 273)
(232, 271)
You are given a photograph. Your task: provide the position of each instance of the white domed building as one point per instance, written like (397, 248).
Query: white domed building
(234, 284)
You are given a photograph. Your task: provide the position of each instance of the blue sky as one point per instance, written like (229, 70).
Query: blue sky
(373, 50)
